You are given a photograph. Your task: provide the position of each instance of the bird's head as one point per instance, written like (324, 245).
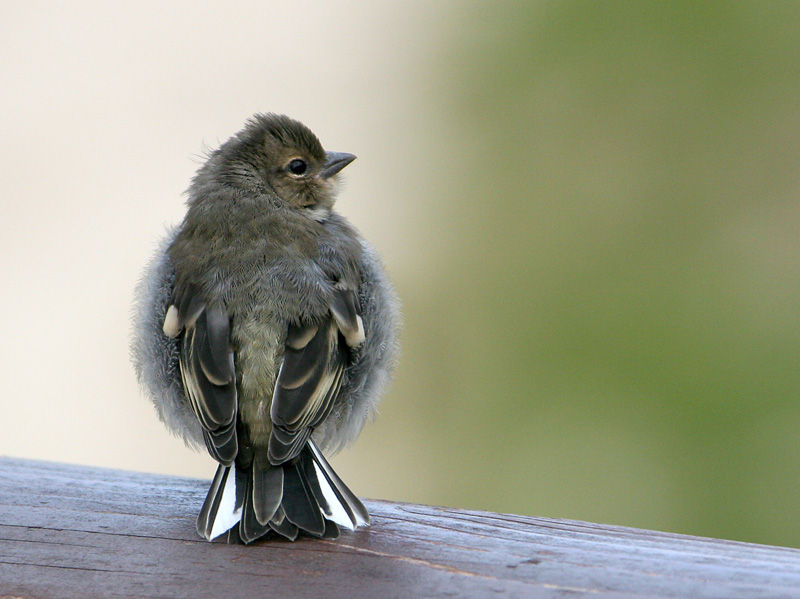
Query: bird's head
(274, 153)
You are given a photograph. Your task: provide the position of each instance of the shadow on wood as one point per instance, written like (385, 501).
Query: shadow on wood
(69, 531)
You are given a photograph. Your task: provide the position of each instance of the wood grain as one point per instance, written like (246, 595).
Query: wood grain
(78, 532)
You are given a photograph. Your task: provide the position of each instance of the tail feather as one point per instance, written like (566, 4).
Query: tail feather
(221, 510)
(250, 528)
(331, 530)
(280, 524)
(267, 488)
(344, 497)
(299, 503)
(303, 494)
(208, 513)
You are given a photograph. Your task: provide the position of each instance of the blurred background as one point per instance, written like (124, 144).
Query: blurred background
(590, 209)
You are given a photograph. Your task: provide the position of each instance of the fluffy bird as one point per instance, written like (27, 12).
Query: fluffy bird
(265, 331)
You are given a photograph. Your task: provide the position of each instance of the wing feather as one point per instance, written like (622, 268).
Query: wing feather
(344, 307)
(307, 385)
(207, 370)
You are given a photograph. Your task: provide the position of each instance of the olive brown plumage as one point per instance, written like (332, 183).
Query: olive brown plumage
(265, 331)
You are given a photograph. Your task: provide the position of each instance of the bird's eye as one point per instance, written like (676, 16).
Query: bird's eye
(297, 166)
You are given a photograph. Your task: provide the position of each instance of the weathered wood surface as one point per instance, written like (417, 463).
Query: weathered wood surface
(68, 531)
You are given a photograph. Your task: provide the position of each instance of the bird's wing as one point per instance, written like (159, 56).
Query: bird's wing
(314, 360)
(207, 369)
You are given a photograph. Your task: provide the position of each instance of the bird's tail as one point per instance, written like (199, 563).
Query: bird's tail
(302, 494)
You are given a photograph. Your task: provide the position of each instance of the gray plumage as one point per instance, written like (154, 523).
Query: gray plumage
(265, 330)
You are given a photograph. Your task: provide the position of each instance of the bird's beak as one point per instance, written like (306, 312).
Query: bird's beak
(334, 162)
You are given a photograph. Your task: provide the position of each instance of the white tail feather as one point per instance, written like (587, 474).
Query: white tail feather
(227, 516)
(337, 512)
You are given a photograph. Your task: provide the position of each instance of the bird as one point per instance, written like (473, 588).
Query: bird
(265, 330)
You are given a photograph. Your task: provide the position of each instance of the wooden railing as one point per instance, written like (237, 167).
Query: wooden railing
(69, 531)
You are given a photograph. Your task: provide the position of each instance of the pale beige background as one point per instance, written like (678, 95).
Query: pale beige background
(106, 109)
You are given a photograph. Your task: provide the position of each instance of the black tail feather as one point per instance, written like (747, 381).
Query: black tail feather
(299, 502)
(208, 513)
(267, 488)
(302, 495)
(250, 528)
(331, 530)
(283, 527)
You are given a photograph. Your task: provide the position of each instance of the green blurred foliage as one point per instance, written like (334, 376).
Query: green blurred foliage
(609, 326)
